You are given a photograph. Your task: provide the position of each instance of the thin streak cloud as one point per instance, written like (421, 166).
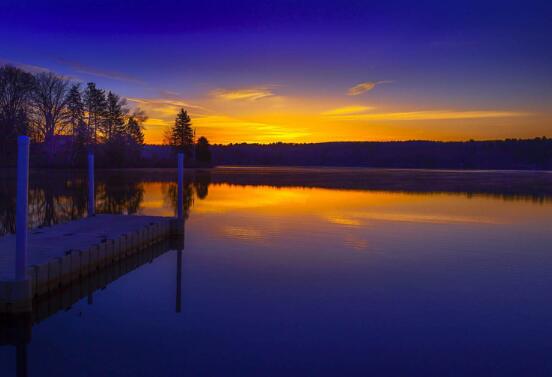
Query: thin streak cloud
(248, 130)
(92, 71)
(434, 115)
(244, 94)
(160, 102)
(26, 67)
(364, 87)
(348, 110)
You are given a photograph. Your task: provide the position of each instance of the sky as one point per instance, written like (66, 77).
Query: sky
(302, 70)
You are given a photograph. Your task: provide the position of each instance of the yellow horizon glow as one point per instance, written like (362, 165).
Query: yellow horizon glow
(257, 115)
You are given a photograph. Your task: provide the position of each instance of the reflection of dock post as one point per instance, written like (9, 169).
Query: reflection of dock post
(179, 281)
(179, 230)
(17, 331)
(22, 208)
(21, 360)
(178, 244)
(180, 189)
(91, 200)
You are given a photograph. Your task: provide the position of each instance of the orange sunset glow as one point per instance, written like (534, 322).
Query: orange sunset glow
(260, 115)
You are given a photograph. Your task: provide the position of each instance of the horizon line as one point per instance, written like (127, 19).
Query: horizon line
(542, 137)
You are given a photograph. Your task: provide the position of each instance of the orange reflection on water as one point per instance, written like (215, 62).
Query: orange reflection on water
(156, 201)
(263, 213)
(260, 213)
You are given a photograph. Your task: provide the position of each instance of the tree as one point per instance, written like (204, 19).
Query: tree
(96, 107)
(49, 97)
(123, 146)
(203, 152)
(181, 135)
(75, 109)
(114, 124)
(81, 142)
(15, 91)
(134, 130)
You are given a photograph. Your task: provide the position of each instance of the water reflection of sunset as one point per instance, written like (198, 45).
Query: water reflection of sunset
(261, 213)
(155, 202)
(344, 207)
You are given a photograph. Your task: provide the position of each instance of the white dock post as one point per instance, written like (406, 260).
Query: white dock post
(91, 199)
(180, 200)
(22, 208)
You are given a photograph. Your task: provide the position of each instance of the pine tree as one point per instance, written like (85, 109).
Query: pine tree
(96, 107)
(134, 131)
(114, 123)
(75, 108)
(82, 139)
(181, 135)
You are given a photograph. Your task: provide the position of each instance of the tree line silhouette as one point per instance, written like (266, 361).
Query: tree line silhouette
(66, 119)
(526, 154)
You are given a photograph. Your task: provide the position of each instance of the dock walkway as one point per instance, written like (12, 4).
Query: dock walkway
(62, 253)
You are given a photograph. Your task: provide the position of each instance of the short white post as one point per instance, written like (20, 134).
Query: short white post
(22, 208)
(91, 200)
(180, 200)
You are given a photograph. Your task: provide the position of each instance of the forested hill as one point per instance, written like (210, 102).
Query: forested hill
(499, 154)
(533, 154)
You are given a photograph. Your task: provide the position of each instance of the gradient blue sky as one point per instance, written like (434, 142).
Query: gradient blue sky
(262, 71)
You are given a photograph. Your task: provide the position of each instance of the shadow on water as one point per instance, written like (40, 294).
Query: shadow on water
(16, 331)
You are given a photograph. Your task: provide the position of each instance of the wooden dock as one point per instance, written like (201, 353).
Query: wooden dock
(45, 259)
(63, 253)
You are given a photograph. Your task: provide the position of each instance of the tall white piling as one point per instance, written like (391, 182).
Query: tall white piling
(91, 199)
(22, 212)
(180, 201)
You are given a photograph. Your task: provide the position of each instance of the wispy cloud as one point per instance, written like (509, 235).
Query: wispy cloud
(162, 102)
(161, 114)
(26, 67)
(348, 110)
(364, 87)
(244, 94)
(169, 94)
(88, 70)
(228, 127)
(434, 115)
(157, 122)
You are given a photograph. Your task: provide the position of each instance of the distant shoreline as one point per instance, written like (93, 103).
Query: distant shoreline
(507, 184)
(509, 154)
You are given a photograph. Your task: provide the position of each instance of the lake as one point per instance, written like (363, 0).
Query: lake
(302, 272)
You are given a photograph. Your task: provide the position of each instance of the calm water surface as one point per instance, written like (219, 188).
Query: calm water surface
(306, 272)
